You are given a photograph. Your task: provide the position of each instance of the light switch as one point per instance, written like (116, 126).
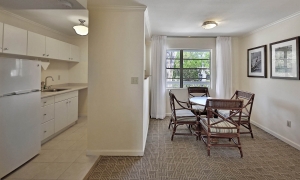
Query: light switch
(134, 80)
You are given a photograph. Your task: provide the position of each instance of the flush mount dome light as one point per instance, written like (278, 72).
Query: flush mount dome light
(81, 29)
(209, 24)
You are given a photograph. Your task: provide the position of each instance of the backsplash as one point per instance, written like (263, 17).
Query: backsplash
(56, 69)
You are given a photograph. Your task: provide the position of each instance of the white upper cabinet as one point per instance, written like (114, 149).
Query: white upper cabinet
(14, 40)
(75, 53)
(69, 52)
(1, 36)
(52, 48)
(64, 51)
(22, 42)
(42, 46)
(36, 45)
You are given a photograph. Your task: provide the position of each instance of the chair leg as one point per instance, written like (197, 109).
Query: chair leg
(250, 129)
(170, 123)
(174, 130)
(208, 146)
(240, 146)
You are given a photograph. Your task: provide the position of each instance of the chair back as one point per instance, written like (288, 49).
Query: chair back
(172, 104)
(235, 107)
(248, 99)
(198, 91)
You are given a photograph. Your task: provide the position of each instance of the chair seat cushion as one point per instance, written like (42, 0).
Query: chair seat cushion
(183, 113)
(217, 127)
(225, 113)
(198, 107)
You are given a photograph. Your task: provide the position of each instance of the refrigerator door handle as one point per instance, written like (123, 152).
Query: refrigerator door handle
(35, 90)
(20, 92)
(8, 94)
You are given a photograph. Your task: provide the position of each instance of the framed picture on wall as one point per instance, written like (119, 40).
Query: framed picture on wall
(284, 58)
(257, 62)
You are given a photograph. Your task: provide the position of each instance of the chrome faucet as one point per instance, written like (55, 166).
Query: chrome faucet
(45, 87)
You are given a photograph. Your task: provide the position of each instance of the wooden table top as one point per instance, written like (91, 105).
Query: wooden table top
(199, 100)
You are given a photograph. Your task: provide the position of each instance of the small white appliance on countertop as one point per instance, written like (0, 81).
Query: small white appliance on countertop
(20, 99)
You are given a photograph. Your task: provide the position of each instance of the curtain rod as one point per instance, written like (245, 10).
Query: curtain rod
(192, 36)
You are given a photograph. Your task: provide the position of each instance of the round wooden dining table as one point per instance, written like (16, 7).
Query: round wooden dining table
(199, 100)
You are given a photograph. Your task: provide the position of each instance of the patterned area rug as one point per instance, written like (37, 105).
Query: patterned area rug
(265, 157)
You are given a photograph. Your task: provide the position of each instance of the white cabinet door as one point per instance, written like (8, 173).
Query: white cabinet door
(14, 40)
(61, 115)
(1, 36)
(72, 110)
(36, 45)
(75, 53)
(47, 113)
(52, 48)
(47, 129)
(64, 51)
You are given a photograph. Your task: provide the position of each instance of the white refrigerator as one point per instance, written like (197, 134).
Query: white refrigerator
(20, 100)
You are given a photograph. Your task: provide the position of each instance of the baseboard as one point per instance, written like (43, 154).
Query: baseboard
(114, 153)
(295, 145)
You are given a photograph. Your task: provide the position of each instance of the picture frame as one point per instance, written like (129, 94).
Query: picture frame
(284, 59)
(257, 62)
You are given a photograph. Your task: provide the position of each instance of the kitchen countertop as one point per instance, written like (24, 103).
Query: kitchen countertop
(70, 86)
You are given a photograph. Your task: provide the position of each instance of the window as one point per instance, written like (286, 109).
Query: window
(188, 68)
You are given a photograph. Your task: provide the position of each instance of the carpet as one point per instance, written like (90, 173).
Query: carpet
(184, 158)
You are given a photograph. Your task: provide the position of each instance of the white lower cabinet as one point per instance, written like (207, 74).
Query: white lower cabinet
(58, 112)
(66, 109)
(61, 115)
(47, 129)
(73, 110)
(47, 121)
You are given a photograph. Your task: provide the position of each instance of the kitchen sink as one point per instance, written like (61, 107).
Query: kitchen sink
(53, 90)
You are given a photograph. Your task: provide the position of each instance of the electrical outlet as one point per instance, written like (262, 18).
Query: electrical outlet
(58, 77)
(289, 124)
(134, 80)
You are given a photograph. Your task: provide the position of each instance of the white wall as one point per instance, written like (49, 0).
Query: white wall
(276, 100)
(192, 43)
(116, 53)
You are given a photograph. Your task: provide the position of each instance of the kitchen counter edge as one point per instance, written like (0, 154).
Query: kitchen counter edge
(70, 89)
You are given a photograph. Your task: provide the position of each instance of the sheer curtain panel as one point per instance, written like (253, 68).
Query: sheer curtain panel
(158, 80)
(223, 68)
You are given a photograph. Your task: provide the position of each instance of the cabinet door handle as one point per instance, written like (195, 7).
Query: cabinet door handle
(44, 54)
(5, 49)
(45, 114)
(45, 131)
(45, 102)
(47, 55)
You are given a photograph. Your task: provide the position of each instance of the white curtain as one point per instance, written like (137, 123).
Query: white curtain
(223, 68)
(158, 80)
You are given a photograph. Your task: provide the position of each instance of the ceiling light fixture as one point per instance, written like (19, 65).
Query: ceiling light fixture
(209, 24)
(66, 4)
(81, 29)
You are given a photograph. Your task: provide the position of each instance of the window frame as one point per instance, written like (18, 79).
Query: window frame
(181, 68)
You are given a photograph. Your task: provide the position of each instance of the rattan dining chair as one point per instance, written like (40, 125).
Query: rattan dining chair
(199, 92)
(248, 99)
(182, 115)
(215, 125)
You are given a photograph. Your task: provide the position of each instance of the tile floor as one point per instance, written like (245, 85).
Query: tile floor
(63, 157)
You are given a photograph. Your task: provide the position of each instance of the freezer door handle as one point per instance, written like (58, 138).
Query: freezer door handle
(20, 92)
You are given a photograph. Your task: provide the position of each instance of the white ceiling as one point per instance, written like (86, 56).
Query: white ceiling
(42, 4)
(59, 20)
(185, 17)
(178, 17)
